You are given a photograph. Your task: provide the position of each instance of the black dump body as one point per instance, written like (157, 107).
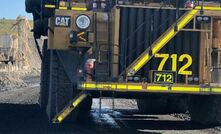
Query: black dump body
(140, 27)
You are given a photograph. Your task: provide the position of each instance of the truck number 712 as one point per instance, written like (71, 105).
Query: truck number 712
(183, 70)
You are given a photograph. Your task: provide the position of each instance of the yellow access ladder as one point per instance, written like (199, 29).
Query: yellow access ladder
(70, 107)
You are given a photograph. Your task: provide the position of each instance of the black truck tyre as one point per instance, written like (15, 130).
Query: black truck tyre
(30, 5)
(163, 104)
(205, 109)
(62, 91)
(153, 104)
(40, 28)
(177, 104)
(44, 83)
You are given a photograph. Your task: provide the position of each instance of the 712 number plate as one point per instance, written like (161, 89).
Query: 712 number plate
(163, 77)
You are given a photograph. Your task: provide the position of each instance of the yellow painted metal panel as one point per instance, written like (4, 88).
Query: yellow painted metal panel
(134, 87)
(163, 41)
(90, 85)
(208, 8)
(79, 100)
(49, 6)
(123, 87)
(216, 90)
(187, 18)
(69, 108)
(141, 62)
(157, 88)
(78, 8)
(137, 87)
(63, 8)
(185, 89)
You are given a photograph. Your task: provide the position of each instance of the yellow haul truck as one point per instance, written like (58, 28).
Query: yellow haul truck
(166, 54)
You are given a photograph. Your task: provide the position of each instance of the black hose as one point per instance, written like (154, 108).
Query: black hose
(38, 49)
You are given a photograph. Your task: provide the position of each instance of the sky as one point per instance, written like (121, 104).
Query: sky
(10, 9)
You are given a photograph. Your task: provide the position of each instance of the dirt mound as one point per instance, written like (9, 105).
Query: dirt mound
(10, 80)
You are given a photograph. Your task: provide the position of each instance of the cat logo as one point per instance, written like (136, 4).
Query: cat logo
(63, 21)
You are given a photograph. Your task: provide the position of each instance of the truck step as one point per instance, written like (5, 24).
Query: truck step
(102, 71)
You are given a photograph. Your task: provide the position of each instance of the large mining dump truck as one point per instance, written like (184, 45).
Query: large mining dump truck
(164, 54)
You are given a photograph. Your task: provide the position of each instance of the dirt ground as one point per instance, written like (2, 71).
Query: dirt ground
(21, 114)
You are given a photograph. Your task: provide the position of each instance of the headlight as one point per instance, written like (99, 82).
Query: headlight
(83, 22)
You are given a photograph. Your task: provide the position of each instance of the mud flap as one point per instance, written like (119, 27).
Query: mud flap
(63, 82)
(72, 62)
